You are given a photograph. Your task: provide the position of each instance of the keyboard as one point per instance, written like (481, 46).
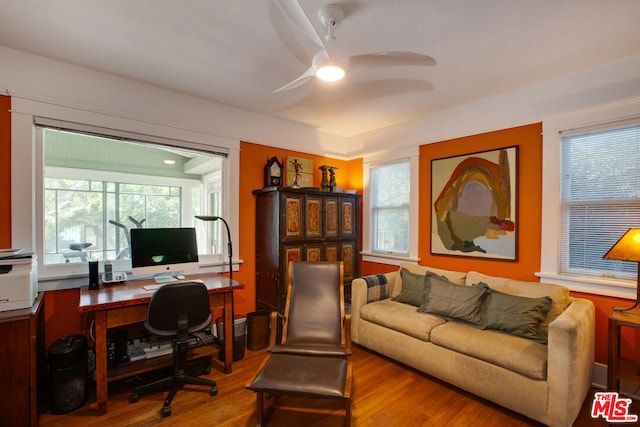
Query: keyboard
(159, 285)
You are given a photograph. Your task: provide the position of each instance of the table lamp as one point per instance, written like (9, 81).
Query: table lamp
(628, 249)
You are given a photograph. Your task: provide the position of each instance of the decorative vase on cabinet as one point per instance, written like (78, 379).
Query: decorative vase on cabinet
(302, 225)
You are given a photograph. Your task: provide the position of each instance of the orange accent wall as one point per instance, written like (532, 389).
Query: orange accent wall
(529, 212)
(253, 157)
(5, 171)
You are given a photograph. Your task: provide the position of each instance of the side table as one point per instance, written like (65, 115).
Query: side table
(620, 368)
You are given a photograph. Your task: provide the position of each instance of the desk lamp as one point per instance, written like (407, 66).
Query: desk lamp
(628, 249)
(215, 218)
(229, 249)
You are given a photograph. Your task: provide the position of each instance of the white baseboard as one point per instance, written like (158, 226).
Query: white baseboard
(627, 388)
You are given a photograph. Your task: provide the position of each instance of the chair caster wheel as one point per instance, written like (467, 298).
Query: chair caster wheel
(134, 398)
(213, 391)
(166, 411)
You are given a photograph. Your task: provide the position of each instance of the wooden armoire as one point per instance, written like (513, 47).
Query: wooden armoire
(302, 225)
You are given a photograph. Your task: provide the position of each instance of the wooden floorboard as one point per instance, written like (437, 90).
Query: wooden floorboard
(385, 393)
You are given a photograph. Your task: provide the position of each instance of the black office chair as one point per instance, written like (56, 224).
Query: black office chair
(176, 310)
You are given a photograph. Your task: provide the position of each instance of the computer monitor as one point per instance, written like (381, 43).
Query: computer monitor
(162, 251)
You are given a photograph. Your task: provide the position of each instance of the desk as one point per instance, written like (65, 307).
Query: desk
(125, 304)
(620, 368)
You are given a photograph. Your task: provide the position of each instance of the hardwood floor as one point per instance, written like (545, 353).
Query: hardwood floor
(384, 393)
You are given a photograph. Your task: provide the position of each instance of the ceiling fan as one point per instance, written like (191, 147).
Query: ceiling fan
(330, 64)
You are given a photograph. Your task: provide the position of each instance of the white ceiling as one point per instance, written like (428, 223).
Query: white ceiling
(238, 52)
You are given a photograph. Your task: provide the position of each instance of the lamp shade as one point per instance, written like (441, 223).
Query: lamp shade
(627, 248)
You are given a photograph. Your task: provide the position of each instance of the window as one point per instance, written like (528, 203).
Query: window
(389, 207)
(600, 197)
(97, 187)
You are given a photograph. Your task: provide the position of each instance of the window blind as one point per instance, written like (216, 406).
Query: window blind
(600, 196)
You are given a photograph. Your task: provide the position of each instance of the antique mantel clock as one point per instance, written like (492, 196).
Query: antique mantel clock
(273, 173)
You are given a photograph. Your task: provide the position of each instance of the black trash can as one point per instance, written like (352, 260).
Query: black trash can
(258, 330)
(239, 335)
(68, 373)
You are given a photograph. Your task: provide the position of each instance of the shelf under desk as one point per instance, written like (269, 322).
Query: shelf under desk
(126, 303)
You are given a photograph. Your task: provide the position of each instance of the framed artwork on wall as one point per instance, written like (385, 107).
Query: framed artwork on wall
(474, 199)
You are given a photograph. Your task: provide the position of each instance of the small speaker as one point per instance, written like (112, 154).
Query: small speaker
(68, 373)
(94, 282)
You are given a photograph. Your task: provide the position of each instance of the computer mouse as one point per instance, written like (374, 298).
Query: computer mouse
(180, 277)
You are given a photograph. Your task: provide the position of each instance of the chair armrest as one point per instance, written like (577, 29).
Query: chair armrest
(347, 332)
(571, 356)
(273, 334)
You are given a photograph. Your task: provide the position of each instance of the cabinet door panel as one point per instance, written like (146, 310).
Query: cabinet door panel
(293, 218)
(348, 255)
(348, 217)
(331, 224)
(313, 217)
(313, 253)
(332, 252)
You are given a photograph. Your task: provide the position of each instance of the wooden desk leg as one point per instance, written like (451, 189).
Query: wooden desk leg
(613, 383)
(228, 332)
(101, 360)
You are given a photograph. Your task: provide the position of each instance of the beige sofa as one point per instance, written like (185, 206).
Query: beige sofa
(546, 381)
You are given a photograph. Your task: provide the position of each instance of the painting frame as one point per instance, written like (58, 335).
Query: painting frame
(474, 204)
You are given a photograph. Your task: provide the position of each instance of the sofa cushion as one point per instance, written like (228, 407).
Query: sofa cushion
(559, 294)
(516, 315)
(525, 357)
(456, 302)
(400, 317)
(457, 277)
(377, 287)
(412, 291)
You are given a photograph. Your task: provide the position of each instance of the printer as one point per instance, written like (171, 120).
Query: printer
(18, 281)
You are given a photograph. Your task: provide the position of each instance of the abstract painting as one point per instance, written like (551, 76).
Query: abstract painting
(474, 202)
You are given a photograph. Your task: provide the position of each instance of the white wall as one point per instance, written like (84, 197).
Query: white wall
(43, 79)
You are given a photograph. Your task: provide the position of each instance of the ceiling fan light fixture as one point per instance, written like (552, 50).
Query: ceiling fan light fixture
(330, 73)
(330, 67)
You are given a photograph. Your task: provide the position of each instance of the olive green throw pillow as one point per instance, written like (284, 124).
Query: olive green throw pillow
(412, 288)
(516, 315)
(455, 302)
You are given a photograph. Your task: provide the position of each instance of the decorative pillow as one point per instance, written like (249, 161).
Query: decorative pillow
(457, 277)
(516, 315)
(377, 287)
(456, 302)
(412, 288)
(559, 294)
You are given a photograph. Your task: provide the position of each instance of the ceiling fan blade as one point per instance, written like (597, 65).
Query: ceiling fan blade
(294, 11)
(391, 59)
(299, 81)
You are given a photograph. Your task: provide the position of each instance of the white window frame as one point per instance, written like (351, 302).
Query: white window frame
(551, 199)
(413, 154)
(27, 166)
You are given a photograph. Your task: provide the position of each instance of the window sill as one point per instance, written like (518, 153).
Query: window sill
(618, 288)
(387, 258)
